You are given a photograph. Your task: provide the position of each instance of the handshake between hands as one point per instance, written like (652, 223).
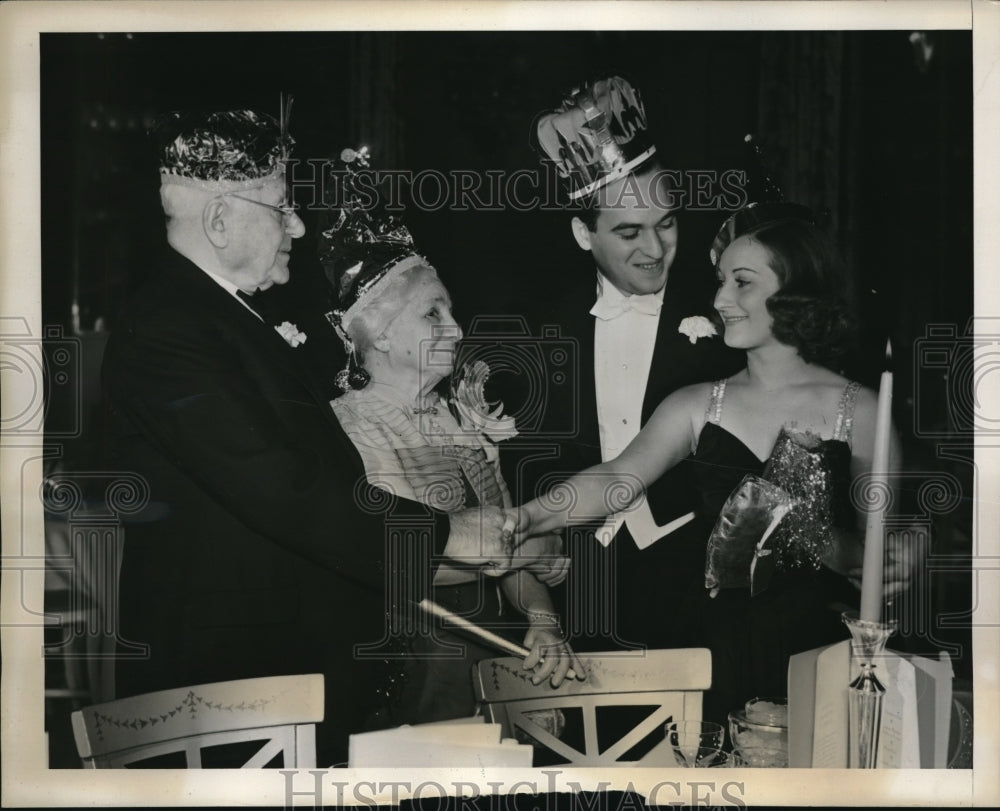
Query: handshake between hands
(493, 540)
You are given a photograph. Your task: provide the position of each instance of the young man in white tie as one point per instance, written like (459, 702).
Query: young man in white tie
(637, 344)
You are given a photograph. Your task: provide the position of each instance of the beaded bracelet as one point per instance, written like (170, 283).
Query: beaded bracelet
(553, 619)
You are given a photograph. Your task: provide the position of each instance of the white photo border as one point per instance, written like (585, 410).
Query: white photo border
(26, 779)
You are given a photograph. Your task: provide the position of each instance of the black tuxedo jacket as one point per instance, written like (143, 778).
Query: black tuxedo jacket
(269, 555)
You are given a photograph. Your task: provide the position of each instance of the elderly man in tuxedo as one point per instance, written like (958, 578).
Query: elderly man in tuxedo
(270, 555)
(635, 347)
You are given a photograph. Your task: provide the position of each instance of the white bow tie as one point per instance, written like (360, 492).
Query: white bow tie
(607, 308)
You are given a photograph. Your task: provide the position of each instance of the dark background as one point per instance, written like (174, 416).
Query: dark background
(855, 124)
(851, 123)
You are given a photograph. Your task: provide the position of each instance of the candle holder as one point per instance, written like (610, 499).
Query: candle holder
(865, 692)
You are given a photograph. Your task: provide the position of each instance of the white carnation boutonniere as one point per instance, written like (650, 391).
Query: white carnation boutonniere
(697, 326)
(293, 336)
(469, 401)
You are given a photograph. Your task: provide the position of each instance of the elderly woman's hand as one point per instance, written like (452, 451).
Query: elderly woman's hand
(551, 657)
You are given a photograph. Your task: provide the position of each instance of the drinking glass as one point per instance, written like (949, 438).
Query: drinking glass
(762, 722)
(695, 743)
(760, 757)
(722, 760)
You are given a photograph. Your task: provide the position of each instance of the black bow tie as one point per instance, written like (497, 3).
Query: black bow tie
(261, 305)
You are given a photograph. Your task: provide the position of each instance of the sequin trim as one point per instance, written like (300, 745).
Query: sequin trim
(714, 411)
(169, 177)
(845, 412)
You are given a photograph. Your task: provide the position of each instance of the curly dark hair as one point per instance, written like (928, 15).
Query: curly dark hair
(812, 309)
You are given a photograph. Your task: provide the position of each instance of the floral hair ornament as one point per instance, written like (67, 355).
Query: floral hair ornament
(362, 253)
(768, 207)
(230, 151)
(596, 135)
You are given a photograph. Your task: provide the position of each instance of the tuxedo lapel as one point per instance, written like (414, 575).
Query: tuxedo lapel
(672, 358)
(668, 361)
(247, 329)
(579, 326)
(676, 361)
(660, 368)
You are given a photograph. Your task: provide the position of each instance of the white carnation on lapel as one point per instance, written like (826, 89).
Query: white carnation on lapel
(695, 327)
(291, 333)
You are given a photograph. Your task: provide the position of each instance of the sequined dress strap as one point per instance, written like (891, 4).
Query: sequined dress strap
(714, 411)
(845, 412)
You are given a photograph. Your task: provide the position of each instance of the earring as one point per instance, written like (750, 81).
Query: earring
(354, 376)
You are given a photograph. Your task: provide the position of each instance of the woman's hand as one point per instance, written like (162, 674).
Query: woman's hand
(546, 559)
(550, 571)
(845, 554)
(517, 527)
(551, 657)
(903, 560)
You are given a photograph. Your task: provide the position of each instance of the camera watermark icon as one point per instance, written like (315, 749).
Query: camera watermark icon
(920, 505)
(537, 377)
(42, 383)
(952, 373)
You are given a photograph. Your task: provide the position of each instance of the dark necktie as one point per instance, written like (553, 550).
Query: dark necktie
(260, 305)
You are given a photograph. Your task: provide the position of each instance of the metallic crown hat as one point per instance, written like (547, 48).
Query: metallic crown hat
(597, 135)
(229, 151)
(769, 207)
(361, 253)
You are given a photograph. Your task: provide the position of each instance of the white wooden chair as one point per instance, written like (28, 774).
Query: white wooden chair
(614, 718)
(254, 719)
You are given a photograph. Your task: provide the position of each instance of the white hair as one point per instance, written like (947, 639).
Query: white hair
(182, 202)
(379, 312)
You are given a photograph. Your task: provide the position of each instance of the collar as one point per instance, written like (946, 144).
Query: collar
(393, 396)
(230, 288)
(611, 302)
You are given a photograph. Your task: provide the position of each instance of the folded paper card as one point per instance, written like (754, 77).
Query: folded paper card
(915, 717)
(464, 742)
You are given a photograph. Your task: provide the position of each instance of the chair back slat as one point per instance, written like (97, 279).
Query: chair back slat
(669, 681)
(615, 672)
(272, 710)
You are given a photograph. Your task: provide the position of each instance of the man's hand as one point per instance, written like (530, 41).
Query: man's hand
(476, 539)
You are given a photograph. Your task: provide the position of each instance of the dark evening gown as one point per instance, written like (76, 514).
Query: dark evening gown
(752, 638)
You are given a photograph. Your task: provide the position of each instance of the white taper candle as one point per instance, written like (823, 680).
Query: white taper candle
(871, 580)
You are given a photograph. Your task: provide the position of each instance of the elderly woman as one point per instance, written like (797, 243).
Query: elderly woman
(394, 316)
(787, 417)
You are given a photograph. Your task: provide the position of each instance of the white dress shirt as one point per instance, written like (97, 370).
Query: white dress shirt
(232, 289)
(624, 337)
